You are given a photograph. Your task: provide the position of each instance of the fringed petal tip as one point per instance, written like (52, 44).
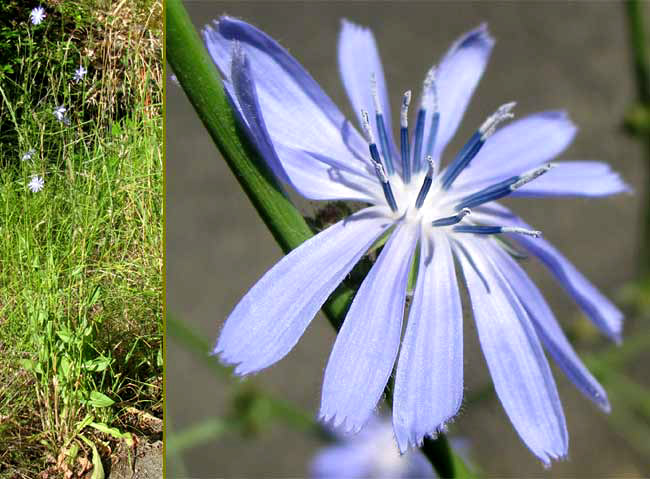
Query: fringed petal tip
(340, 422)
(239, 369)
(550, 457)
(241, 366)
(416, 438)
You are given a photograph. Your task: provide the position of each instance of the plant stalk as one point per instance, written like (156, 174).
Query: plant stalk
(634, 10)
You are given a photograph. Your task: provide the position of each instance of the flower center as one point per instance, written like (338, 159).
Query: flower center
(416, 193)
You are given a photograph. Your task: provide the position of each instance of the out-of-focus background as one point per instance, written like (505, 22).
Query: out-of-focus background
(547, 56)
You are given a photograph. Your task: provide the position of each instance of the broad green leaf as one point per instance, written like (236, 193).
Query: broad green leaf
(98, 399)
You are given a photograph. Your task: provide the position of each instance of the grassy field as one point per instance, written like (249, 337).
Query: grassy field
(81, 258)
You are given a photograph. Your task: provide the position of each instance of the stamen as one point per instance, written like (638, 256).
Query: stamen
(365, 124)
(385, 185)
(431, 90)
(404, 114)
(503, 113)
(452, 220)
(426, 185)
(427, 85)
(379, 168)
(404, 138)
(375, 94)
(530, 176)
(494, 230)
(503, 188)
(476, 141)
(381, 127)
(381, 173)
(374, 153)
(521, 231)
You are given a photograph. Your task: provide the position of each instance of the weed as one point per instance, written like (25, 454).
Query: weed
(81, 257)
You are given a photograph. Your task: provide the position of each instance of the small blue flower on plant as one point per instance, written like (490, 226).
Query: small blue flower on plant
(60, 115)
(79, 74)
(371, 453)
(36, 184)
(431, 215)
(37, 15)
(28, 155)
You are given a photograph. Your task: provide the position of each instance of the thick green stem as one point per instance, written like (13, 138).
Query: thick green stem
(201, 82)
(634, 10)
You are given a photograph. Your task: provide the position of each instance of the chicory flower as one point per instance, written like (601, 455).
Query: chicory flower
(37, 15)
(60, 114)
(431, 215)
(79, 73)
(28, 155)
(36, 184)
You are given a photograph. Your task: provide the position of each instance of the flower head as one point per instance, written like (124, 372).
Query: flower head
(60, 114)
(371, 453)
(79, 73)
(435, 216)
(36, 184)
(37, 15)
(28, 155)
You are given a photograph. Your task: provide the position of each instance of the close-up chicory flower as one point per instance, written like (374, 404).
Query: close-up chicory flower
(36, 184)
(37, 15)
(432, 217)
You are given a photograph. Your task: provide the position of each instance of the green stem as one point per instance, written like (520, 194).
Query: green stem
(204, 431)
(634, 11)
(638, 42)
(201, 82)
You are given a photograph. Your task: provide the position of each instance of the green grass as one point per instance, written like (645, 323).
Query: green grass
(81, 260)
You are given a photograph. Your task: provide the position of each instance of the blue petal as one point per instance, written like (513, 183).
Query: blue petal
(429, 380)
(366, 347)
(296, 111)
(318, 177)
(576, 178)
(548, 328)
(600, 310)
(337, 462)
(244, 88)
(597, 307)
(520, 146)
(358, 59)
(314, 177)
(274, 314)
(520, 372)
(456, 79)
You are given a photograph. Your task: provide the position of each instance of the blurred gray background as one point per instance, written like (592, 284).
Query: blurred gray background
(553, 55)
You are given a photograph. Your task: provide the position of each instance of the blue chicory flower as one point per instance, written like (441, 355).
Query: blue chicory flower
(60, 114)
(372, 454)
(79, 73)
(36, 184)
(28, 155)
(444, 213)
(37, 15)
